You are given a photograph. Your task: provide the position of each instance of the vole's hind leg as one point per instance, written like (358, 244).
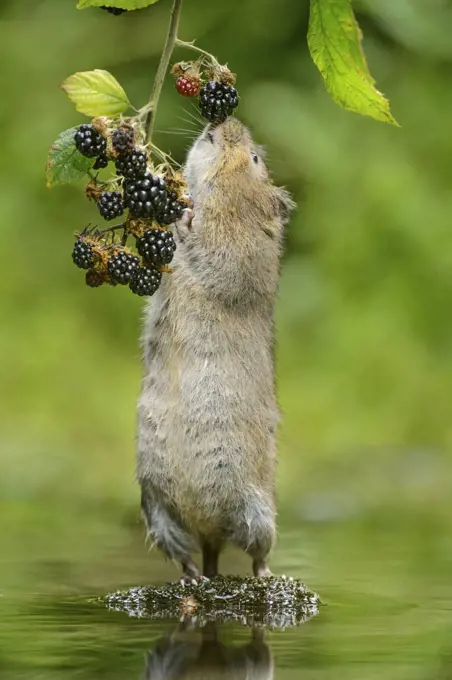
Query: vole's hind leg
(168, 535)
(255, 533)
(210, 555)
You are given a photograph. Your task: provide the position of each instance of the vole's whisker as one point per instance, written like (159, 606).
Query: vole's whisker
(195, 128)
(196, 118)
(182, 133)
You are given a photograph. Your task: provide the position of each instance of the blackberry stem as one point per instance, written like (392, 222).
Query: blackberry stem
(170, 43)
(191, 46)
(115, 228)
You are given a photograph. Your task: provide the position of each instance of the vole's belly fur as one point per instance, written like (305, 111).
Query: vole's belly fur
(207, 412)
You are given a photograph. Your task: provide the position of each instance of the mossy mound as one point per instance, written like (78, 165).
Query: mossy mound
(274, 602)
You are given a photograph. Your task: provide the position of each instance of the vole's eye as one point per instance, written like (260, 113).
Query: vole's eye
(210, 137)
(255, 157)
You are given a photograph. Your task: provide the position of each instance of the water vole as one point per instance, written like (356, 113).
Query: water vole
(208, 411)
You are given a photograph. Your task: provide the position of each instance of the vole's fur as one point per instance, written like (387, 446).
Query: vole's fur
(208, 412)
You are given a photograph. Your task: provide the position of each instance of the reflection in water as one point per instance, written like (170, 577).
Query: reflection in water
(197, 654)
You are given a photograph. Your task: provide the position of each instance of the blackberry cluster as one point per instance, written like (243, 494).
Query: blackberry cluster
(123, 140)
(113, 10)
(145, 281)
(217, 101)
(94, 279)
(144, 196)
(82, 255)
(152, 202)
(101, 162)
(89, 142)
(122, 266)
(156, 247)
(149, 197)
(132, 165)
(110, 205)
(170, 209)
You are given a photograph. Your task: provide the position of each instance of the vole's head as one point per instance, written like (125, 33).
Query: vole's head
(223, 155)
(226, 173)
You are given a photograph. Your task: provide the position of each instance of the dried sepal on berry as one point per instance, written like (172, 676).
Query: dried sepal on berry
(93, 190)
(221, 73)
(101, 124)
(137, 227)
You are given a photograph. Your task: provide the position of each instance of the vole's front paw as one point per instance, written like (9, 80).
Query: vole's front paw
(184, 224)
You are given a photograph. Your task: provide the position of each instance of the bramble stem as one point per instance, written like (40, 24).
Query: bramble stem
(170, 42)
(191, 46)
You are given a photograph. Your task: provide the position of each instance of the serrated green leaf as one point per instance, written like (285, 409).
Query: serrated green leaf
(96, 93)
(65, 164)
(122, 4)
(334, 40)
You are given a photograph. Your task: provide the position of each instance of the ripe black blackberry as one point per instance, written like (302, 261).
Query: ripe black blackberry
(82, 255)
(101, 162)
(169, 210)
(217, 101)
(123, 140)
(145, 281)
(113, 10)
(94, 278)
(132, 165)
(156, 247)
(122, 266)
(110, 205)
(89, 142)
(145, 196)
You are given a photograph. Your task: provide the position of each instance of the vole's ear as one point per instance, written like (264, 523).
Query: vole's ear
(285, 204)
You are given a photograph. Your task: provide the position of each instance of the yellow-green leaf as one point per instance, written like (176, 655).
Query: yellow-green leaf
(96, 93)
(65, 164)
(122, 4)
(334, 40)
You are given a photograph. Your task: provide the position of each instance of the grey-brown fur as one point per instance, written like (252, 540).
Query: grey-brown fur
(208, 412)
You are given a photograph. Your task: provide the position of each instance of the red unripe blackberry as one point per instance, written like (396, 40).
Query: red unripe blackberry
(82, 255)
(132, 165)
(94, 279)
(123, 140)
(113, 10)
(122, 265)
(101, 162)
(145, 196)
(156, 247)
(188, 87)
(110, 205)
(217, 101)
(145, 281)
(89, 141)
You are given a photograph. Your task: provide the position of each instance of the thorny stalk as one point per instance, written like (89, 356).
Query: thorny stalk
(170, 43)
(191, 46)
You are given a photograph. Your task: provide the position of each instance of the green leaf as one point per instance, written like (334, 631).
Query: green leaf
(96, 93)
(65, 164)
(334, 40)
(122, 4)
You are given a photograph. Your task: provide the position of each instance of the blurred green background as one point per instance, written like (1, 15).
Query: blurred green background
(364, 315)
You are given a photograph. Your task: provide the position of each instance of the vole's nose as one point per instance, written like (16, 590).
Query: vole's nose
(233, 131)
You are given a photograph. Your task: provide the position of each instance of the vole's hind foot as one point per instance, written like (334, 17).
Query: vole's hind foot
(190, 573)
(184, 224)
(261, 568)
